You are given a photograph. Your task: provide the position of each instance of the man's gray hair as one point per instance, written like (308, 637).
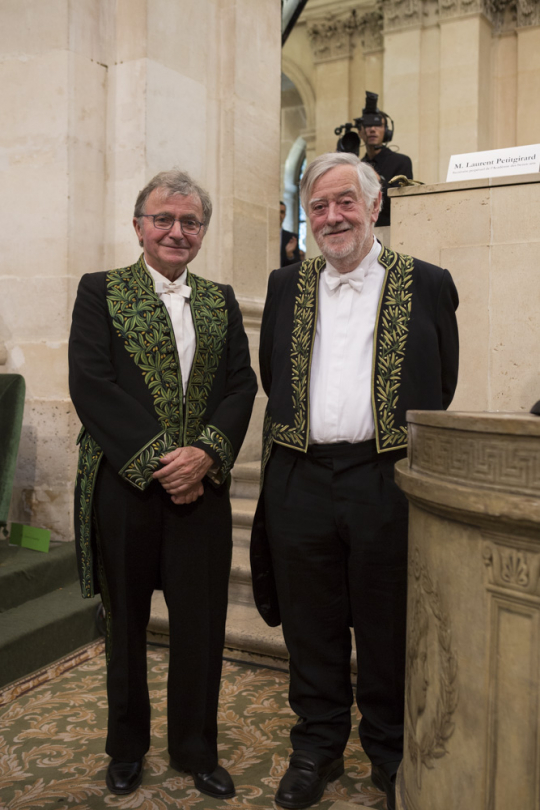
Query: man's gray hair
(368, 179)
(173, 182)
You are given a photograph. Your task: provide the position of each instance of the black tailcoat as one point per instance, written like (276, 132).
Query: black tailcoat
(415, 366)
(125, 383)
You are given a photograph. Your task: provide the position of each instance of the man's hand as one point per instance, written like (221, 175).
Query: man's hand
(291, 246)
(182, 473)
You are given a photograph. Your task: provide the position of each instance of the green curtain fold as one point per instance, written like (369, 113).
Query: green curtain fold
(12, 390)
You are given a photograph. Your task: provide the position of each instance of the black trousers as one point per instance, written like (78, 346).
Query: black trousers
(147, 542)
(337, 527)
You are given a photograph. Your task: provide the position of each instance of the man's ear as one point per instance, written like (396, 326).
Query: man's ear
(138, 230)
(376, 210)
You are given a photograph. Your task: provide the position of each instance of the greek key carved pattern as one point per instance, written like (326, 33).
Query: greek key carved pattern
(511, 463)
(512, 569)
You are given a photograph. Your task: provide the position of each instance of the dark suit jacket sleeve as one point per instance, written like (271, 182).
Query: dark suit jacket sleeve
(447, 332)
(267, 332)
(227, 425)
(407, 167)
(121, 425)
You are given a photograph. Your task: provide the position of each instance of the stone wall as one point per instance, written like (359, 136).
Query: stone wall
(97, 96)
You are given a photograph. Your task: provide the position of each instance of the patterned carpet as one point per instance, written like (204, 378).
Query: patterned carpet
(52, 732)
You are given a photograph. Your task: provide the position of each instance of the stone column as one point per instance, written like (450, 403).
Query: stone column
(465, 92)
(53, 85)
(473, 625)
(331, 42)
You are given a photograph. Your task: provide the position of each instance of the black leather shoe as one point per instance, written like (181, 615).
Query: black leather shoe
(217, 784)
(124, 777)
(305, 780)
(386, 783)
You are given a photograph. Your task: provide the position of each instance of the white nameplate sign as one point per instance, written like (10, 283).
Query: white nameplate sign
(494, 163)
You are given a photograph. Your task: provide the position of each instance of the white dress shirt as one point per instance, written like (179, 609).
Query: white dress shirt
(340, 386)
(175, 295)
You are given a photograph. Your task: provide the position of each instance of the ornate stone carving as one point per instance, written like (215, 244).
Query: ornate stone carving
(502, 13)
(512, 569)
(370, 26)
(331, 38)
(511, 463)
(401, 13)
(432, 694)
(528, 12)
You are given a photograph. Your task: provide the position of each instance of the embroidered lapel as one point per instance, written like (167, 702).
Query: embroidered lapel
(390, 338)
(303, 336)
(142, 322)
(210, 318)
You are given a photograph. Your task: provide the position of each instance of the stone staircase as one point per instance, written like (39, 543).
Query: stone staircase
(247, 635)
(42, 613)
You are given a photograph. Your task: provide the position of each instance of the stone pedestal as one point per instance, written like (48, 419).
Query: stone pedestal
(473, 632)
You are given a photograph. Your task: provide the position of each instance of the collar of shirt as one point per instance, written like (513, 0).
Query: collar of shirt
(163, 285)
(355, 278)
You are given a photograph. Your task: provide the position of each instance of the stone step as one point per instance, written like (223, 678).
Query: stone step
(42, 630)
(245, 480)
(26, 574)
(246, 632)
(240, 590)
(243, 512)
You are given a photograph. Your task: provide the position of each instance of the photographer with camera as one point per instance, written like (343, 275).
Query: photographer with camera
(376, 129)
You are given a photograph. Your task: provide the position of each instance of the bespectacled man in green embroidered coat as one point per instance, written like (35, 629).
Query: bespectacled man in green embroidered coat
(350, 341)
(160, 377)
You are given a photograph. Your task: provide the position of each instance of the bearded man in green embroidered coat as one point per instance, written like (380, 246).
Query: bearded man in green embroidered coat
(349, 342)
(161, 379)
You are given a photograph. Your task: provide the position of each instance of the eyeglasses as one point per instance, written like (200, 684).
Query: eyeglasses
(164, 222)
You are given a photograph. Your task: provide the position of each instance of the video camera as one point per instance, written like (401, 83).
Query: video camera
(371, 117)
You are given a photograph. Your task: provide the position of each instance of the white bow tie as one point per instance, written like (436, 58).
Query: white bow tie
(172, 288)
(334, 281)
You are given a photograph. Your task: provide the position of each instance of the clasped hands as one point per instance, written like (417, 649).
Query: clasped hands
(182, 473)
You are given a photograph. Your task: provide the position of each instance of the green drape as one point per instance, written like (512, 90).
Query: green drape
(12, 389)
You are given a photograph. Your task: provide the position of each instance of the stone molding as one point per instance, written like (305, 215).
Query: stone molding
(252, 310)
(510, 463)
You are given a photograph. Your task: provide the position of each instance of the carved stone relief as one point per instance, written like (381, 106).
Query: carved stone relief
(432, 694)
